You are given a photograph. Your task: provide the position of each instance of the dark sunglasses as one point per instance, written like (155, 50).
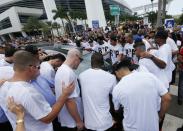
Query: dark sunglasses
(81, 59)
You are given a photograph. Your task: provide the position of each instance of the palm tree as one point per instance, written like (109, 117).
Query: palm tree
(33, 25)
(62, 14)
(45, 29)
(49, 23)
(56, 26)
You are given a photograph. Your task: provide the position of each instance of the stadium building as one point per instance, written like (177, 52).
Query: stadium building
(14, 13)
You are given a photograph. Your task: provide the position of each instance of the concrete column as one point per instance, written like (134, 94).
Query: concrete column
(95, 12)
(50, 5)
(24, 34)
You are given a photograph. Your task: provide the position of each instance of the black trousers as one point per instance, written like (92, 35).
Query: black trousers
(6, 126)
(113, 128)
(68, 129)
(56, 125)
(180, 86)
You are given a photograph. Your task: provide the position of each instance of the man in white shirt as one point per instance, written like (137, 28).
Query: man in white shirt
(96, 86)
(71, 114)
(116, 49)
(101, 47)
(8, 59)
(175, 51)
(139, 94)
(128, 48)
(48, 68)
(140, 48)
(163, 56)
(6, 73)
(38, 113)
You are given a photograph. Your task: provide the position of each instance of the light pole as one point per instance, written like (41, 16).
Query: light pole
(152, 4)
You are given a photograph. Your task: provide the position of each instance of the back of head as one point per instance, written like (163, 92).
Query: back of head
(140, 45)
(73, 52)
(97, 60)
(161, 34)
(9, 51)
(125, 63)
(58, 56)
(32, 49)
(113, 37)
(22, 59)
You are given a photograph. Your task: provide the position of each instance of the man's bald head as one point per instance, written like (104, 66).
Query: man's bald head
(22, 59)
(74, 58)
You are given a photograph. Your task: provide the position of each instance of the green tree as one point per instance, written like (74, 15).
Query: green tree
(56, 26)
(152, 16)
(49, 23)
(33, 25)
(62, 14)
(45, 29)
(76, 14)
(180, 20)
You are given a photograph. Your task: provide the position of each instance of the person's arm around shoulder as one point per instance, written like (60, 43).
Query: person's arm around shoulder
(66, 91)
(161, 64)
(18, 110)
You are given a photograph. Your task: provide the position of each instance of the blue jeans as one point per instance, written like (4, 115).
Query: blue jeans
(180, 86)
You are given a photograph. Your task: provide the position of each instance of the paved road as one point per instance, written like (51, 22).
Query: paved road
(174, 117)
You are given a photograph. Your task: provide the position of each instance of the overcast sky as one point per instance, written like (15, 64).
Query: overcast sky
(175, 7)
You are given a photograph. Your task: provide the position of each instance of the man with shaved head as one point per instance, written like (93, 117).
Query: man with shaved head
(38, 113)
(71, 114)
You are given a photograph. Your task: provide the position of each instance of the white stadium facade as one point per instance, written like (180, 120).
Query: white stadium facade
(14, 13)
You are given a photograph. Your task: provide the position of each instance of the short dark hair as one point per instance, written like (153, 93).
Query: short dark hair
(97, 60)
(9, 50)
(58, 56)
(140, 44)
(32, 49)
(161, 34)
(22, 59)
(125, 63)
(113, 37)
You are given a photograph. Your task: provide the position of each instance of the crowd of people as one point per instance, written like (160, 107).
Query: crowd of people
(44, 93)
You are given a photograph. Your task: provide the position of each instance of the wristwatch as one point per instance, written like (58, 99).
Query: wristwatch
(19, 121)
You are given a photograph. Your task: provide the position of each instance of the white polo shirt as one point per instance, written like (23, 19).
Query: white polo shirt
(66, 74)
(34, 103)
(47, 71)
(139, 94)
(96, 85)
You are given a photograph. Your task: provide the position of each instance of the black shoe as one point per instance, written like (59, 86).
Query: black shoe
(179, 102)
